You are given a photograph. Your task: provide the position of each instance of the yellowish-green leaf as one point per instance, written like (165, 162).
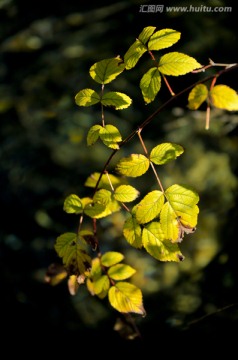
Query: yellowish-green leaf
(73, 204)
(104, 181)
(126, 298)
(134, 165)
(94, 210)
(90, 286)
(86, 200)
(169, 223)
(111, 258)
(93, 134)
(86, 97)
(134, 53)
(73, 253)
(117, 100)
(121, 272)
(165, 152)
(163, 39)
(110, 136)
(158, 246)
(224, 97)
(132, 232)
(146, 34)
(150, 84)
(96, 269)
(105, 71)
(182, 205)
(149, 207)
(112, 207)
(126, 193)
(101, 286)
(197, 96)
(176, 64)
(55, 274)
(102, 196)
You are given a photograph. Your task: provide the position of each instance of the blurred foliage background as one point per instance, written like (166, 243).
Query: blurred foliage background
(46, 50)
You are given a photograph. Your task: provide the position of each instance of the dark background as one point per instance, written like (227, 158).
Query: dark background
(46, 49)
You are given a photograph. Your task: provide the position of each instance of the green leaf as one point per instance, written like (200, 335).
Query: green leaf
(93, 134)
(121, 272)
(163, 153)
(87, 97)
(117, 100)
(146, 34)
(72, 250)
(183, 200)
(102, 196)
(163, 39)
(132, 232)
(73, 204)
(110, 208)
(224, 97)
(149, 207)
(91, 181)
(197, 96)
(110, 136)
(111, 258)
(158, 246)
(176, 64)
(126, 193)
(150, 84)
(105, 71)
(126, 298)
(134, 165)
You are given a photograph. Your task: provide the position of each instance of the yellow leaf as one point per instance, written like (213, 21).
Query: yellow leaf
(126, 298)
(134, 165)
(197, 96)
(224, 97)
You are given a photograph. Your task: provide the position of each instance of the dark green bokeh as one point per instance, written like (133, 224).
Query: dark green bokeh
(45, 53)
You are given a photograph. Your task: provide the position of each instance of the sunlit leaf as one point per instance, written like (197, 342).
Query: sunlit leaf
(73, 204)
(94, 209)
(181, 208)
(134, 53)
(126, 193)
(101, 286)
(121, 272)
(224, 97)
(146, 34)
(156, 244)
(98, 212)
(165, 152)
(110, 136)
(163, 39)
(96, 269)
(150, 84)
(169, 222)
(73, 253)
(111, 258)
(197, 96)
(105, 71)
(117, 100)
(132, 232)
(126, 298)
(134, 165)
(176, 64)
(86, 97)
(104, 182)
(149, 207)
(93, 134)
(102, 196)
